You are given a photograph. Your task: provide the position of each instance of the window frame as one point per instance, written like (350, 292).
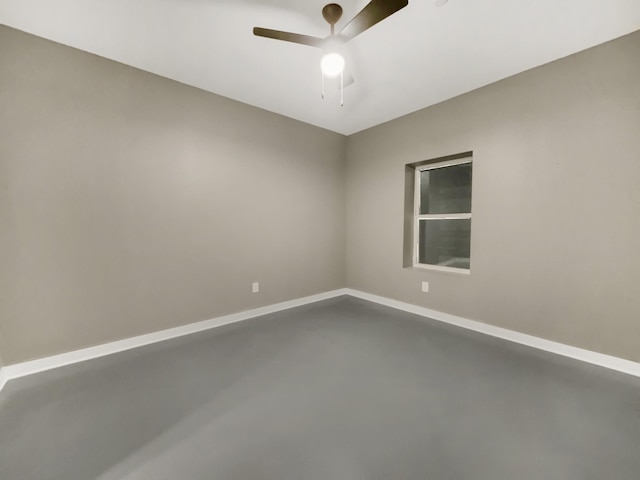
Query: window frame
(445, 216)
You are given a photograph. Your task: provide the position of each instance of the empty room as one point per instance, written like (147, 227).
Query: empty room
(292, 239)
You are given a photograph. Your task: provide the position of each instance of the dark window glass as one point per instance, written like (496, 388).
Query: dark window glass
(445, 242)
(446, 190)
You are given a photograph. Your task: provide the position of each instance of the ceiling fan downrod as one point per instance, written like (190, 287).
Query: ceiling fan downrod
(332, 13)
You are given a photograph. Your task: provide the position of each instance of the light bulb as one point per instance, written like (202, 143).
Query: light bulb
(332, 64)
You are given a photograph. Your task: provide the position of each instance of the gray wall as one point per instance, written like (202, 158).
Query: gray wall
(6, 220)
(556, 201)
(131, 203)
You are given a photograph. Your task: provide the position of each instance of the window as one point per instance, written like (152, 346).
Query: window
(442, 215)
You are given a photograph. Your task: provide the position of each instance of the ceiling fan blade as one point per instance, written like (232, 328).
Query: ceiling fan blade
(374, 12)
(288, 37)
(333, 83)
(348, 80)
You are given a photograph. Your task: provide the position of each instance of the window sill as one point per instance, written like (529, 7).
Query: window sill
(440, 268)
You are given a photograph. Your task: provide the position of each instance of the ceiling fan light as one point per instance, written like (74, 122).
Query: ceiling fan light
(332, 64)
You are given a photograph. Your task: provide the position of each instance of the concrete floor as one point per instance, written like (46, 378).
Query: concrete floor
(341, 389)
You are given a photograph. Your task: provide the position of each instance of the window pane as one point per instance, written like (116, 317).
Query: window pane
(446, 190)
(445, 242)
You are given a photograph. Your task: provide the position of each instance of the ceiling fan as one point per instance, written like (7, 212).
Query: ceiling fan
(332, 63)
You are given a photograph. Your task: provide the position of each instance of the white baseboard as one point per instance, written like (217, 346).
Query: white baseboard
(602, 360)
(47, 363)
(42, 364)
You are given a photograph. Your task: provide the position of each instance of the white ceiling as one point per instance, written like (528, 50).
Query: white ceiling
(419, 56)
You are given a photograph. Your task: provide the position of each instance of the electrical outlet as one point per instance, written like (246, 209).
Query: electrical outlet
(425, 287)
(255, 287)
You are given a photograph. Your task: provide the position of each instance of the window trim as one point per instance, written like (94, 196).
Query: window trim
(446, 216)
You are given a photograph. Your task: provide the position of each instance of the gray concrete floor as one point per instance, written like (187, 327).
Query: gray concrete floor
(341, 389)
